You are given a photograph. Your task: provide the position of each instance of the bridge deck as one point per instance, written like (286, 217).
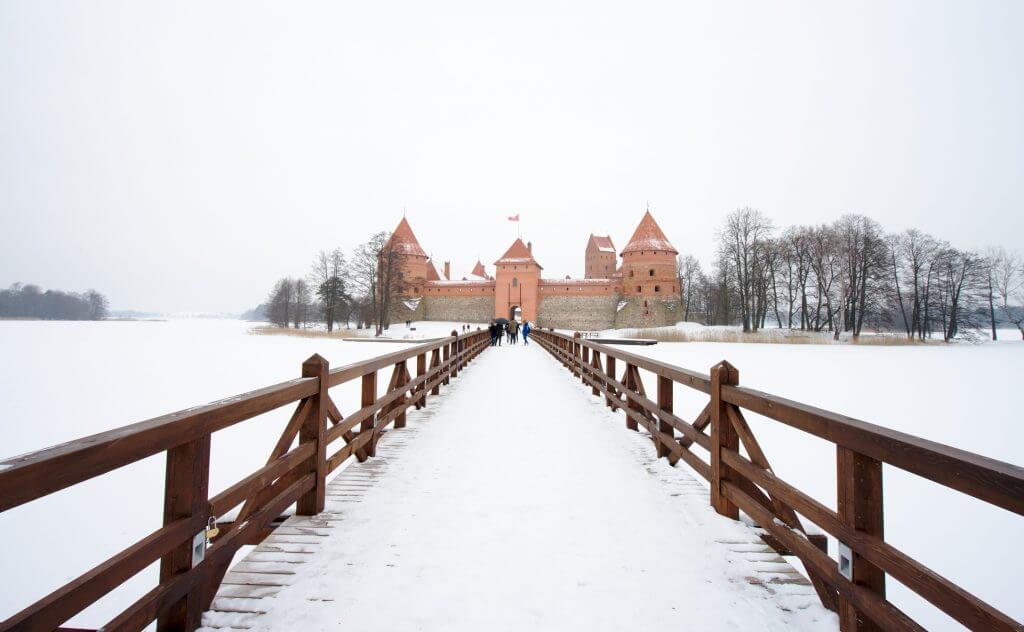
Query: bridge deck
(515, 501)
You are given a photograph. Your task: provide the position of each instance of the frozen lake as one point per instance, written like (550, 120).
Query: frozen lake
(63, 380)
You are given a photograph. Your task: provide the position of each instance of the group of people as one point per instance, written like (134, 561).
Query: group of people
(509, 330)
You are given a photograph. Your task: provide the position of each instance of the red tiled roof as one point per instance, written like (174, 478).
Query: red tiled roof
(602, 243)
(479, 270)
(648, 236)
(405, 241)
(518, 253)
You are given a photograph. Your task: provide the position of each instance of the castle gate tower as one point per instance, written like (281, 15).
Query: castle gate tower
(516, 281)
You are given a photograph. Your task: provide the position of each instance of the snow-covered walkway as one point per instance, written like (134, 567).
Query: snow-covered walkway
(516, 501)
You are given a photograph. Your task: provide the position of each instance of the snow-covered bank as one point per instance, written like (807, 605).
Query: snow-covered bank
(64, 380)
(964, 395)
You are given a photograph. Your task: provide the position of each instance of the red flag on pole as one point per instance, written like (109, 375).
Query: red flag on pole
(513, 218)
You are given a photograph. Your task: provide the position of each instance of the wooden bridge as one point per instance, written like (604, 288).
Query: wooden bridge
(514, 500)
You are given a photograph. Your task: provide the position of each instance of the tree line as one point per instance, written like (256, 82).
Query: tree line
(339, 290)
(849, 275)
(31, 301)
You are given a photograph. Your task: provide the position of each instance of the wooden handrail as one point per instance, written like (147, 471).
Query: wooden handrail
(750, 484)
(296, 475)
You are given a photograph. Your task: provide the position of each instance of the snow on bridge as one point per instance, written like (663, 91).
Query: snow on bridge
(515, 501)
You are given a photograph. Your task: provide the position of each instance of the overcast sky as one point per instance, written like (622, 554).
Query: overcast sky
(180, 157)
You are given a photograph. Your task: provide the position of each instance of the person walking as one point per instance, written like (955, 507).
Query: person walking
(493, 330)
(513, 328)
(526, 333)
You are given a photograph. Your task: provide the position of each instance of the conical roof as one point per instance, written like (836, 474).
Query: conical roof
(518, 253)
(403, 240)
(479, 270)
(648, 236)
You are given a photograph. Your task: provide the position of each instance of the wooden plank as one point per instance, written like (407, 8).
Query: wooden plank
(723, 437)
(261, 478)
(944, 594)
(877, 607)
(36, 474)
(368, 397)
(312, 432)
(62, 604)
(665, 398)
(993, 481)
(186, 490)
(859, 481)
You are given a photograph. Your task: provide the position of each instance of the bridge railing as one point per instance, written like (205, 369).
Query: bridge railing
(853, 585)
(190, 572)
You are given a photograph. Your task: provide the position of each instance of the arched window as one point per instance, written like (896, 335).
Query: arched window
(630, 273)
(650, 272)
(657, 288)
(515, 282)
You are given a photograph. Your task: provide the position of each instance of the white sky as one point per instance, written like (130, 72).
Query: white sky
(180, 157)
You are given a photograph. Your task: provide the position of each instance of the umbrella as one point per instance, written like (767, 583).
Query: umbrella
(501, 321)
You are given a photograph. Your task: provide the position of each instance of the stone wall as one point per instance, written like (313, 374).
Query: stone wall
(656, 313)
(403, 309)
(579, 313)
(464, 309)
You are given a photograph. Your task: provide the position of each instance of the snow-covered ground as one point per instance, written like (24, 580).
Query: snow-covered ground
(89, 377)
(529, 508)
(964, 395)
(64, 380)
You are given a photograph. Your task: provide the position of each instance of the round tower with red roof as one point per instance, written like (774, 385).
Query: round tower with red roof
(650, 284)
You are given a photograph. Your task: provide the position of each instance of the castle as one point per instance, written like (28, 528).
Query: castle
(642, 291)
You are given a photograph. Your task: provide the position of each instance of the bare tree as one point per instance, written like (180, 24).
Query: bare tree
(743, 241)
(328, 282)
(98, 305)
(302, 303)
(279, 303)
(377, 274)
(1009, 281)
(689, 271)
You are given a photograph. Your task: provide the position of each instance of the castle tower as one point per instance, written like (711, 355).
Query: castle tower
(414, 259)
(649, 263)
(600, 258)
(517, 278)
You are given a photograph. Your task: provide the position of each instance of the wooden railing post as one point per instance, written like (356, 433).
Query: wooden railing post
(186, 494)
(456, 356)
(859, 480)
(577, 355)
(369, 396)
(312, 431)
(421, 370)
(435, 370)
(665, 395)
(401, 379)
(595, 369)
(631, 387)
(723, 436)
(447, 348)
(609, 370)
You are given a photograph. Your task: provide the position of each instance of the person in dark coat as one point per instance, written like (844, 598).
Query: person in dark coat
(493, 330)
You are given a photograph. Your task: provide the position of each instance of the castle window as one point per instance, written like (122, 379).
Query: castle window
(630, 273)
(657, 288)
(645, 303)
(650, 272)
(515, 282)
(638, 289)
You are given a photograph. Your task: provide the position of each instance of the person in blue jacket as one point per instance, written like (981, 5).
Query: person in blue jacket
(526, 332)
